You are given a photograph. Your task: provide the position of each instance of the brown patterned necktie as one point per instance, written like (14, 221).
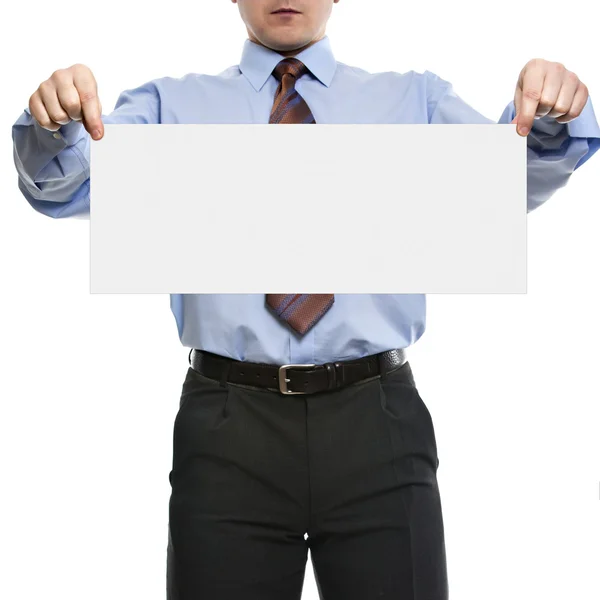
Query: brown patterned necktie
(300, 311)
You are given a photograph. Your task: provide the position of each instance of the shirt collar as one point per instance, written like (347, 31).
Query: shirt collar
(257, 62)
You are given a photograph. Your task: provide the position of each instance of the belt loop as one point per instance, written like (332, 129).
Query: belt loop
(190, 356)
(225, 373)
(331, 376)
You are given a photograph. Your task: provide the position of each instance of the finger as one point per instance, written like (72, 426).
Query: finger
(51, 104)
(552, 86)
(531, 83)
(565, 96)
(90, 103)
(40, 114)
(67, 95)
(579, 102)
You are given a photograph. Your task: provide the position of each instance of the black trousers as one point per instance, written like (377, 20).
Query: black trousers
(353, 469)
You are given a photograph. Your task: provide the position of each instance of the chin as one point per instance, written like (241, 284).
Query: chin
(286, 42)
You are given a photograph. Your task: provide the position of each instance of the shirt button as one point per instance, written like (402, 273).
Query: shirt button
(57, 136)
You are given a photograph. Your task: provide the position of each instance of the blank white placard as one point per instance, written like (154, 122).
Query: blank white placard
(219, 208)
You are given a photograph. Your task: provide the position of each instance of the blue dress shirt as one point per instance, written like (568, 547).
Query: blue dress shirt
(54, 176)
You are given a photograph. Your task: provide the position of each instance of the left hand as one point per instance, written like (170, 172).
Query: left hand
(547, 88)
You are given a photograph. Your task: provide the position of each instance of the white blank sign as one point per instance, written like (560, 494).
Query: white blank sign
(255, 208)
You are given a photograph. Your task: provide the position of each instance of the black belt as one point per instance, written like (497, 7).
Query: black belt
(295, 379)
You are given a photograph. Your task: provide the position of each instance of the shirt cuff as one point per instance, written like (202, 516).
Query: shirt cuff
(67, 135)
(586, 124)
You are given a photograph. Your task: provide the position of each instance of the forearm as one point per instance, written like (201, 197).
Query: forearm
(52, 167)
(555, 151)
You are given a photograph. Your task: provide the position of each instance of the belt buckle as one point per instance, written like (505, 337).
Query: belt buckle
(283, 379)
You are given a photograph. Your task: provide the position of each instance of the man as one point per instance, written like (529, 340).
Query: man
(340, 447)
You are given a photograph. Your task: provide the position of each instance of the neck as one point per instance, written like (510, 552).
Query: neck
(286, 53)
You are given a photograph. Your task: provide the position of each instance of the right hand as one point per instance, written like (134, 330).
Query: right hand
(68, 95)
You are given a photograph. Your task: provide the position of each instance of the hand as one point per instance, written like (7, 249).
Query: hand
(69, 94)
(547, 88)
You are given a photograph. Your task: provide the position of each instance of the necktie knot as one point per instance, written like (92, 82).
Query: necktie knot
(290, 66)
(288, 105)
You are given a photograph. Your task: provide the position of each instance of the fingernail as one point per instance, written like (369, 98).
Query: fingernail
(96, 135)
(524, 130)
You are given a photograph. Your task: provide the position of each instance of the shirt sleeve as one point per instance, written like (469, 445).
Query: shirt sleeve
(554, 150)
(54, 167)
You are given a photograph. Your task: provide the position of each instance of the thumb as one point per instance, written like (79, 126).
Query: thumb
(92, 118)
(94, 127)
(517, 103)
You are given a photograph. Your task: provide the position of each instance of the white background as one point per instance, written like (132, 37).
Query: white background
(90, 383)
